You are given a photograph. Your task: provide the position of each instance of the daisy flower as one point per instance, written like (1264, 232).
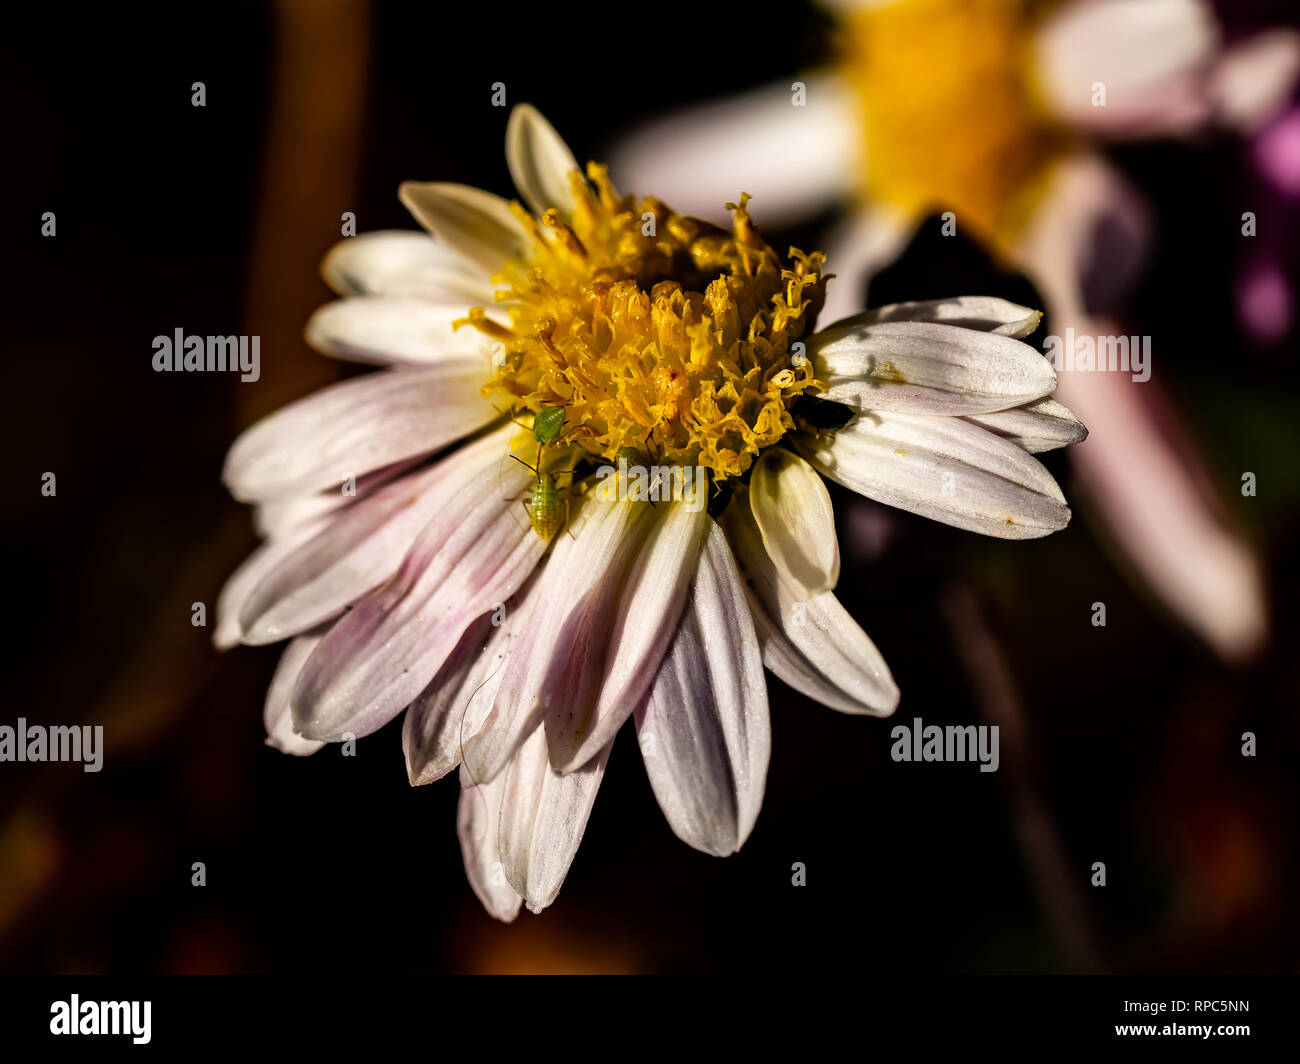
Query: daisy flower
(519, 560)
(993, 110)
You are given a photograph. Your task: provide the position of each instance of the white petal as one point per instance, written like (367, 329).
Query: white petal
(1134, 466)
(475, 223)
(244, 580)
(704, 731)
(1147, 54)
(477, 551)
(1150, 488)
(1042, 425)
(451, 710)
(387, 330)
(982, 313)
(543, 817)
(856, 249)
(280, 516)
(583, 571)
(403, 263)
(621, 638)
(810, 643)
(1255, 78)
(354, 427)
(477, 819)
(794, 514)
(793, 160)
(275, 713)
(945, 469)
(540, 162)
(927, 368)
(1091, 227)
(358, 549)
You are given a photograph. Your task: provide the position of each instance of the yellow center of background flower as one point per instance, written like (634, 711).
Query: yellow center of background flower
(951, 116)
(656, 332)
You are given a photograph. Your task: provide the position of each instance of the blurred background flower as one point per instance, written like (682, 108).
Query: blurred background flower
(994, 110)
(1121, 744)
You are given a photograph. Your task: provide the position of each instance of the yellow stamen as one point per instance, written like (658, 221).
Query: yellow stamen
(656, 331)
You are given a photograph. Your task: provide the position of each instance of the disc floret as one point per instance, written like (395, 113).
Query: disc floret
(654, 331)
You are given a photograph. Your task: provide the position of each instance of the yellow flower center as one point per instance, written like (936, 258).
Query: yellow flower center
(951, 116)
(655, 332)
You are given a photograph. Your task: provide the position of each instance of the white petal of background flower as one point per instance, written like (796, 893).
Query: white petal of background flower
(857, 247)
(792, 160)
(1147, 53)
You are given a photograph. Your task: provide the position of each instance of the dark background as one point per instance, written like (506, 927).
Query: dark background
(1120, 744)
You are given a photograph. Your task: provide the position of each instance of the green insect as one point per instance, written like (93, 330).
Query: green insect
(548, 509)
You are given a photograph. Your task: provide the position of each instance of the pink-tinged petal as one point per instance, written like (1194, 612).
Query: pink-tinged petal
(359, 548)
(1142, 474)
(1277, 154)
(1042, 425)
(704, 730)
(540, 162)
(943, 468)
(279, 517)
(357, 426)
(1254, 79)
(402, 263)
(809, 642)
(1148, 55)
(477, 819)
(477, 224)
(701, 158)
(475, 552)
(1089, 239)
(581, 577)
(923, 367)
(385, 330)
(275, 714)
(543, 817)
(244, 580)
(856, 249)
(1147, 482)
(451, 710)
(620, 639)
(1264, 301)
